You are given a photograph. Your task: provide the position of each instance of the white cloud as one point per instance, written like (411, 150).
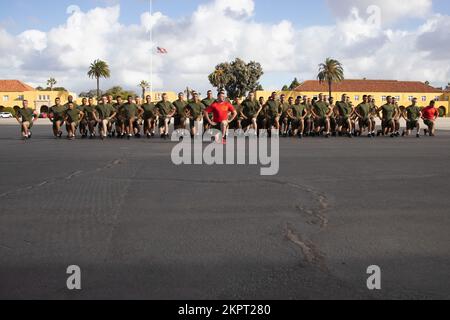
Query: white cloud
(391, 11)
(223, 30)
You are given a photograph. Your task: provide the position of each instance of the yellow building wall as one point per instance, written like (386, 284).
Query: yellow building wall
(36, 99)
(356, 97)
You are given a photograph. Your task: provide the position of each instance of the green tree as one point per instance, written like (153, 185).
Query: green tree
(236, 77)
(285, 88)
(51, 83)
(331, 71)
(295, 83)
(119, 91)
(144, 86)
(99, 69)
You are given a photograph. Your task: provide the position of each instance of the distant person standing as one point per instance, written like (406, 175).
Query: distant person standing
(209, 100)
(429, 116)
(26, 116)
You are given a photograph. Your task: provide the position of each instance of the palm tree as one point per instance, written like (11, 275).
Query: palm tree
(99, 69)
(144, 86)
(51, 82)
(329, 72)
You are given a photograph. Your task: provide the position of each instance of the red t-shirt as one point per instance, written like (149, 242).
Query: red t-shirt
(429, 113)
(220, 110)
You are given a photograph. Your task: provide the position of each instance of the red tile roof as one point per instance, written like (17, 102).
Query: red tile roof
(368, 86)
(14, 86)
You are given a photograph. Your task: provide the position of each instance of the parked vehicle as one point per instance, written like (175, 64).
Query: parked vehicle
(5, 115)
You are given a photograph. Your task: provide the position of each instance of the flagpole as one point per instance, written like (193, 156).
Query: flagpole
(151, 48)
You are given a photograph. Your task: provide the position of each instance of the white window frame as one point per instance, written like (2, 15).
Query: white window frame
(5, 98)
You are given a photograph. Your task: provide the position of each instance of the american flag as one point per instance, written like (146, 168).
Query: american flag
(161, 50)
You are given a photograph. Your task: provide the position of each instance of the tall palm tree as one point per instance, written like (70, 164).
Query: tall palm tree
(51, 82)
(99, 69)
(330, 71)
(144, 86)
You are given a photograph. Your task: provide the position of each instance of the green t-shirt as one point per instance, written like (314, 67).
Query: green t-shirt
(238, 108)
(298, 110)
(130, 110)
(89, 111)
(388, 111)
(284, 108)
(250, 108)
(364, 110)
(196, 109)
(273, 108)
(321, 109)
(413, 113)
(165, 108)
(344, 108)
(207, 102)
(58, 111)
(105, 110)
(180, 105)
(73, 115)
(27, 114)
(75, 106)
(149, 110)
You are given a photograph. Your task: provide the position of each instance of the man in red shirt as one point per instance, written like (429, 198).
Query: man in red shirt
(220, 110)
(429, 116)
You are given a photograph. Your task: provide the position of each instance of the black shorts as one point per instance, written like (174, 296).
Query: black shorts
(320, 122)
(387, 123)
(179, 121)
(428, 123)
(412, 124)
(246, 123)
(364, 122)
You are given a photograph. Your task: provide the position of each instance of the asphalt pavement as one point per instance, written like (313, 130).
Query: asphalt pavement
(140, 227)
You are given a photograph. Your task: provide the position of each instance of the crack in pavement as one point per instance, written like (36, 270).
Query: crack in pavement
(311, 254)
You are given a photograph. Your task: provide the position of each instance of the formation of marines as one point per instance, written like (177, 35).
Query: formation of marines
(299, 117)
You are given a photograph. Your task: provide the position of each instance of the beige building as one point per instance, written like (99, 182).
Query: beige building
(13, 92)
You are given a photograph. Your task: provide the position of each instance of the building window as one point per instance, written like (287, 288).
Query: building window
(48, 98)
(383, 98)
(437, 98)
(397, 98)
(21, 98)
(356, 98)
(410, 98)
(424, 98)
(5, 98)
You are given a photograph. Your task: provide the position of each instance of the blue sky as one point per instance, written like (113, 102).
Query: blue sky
(288, 37)
(20, 15)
